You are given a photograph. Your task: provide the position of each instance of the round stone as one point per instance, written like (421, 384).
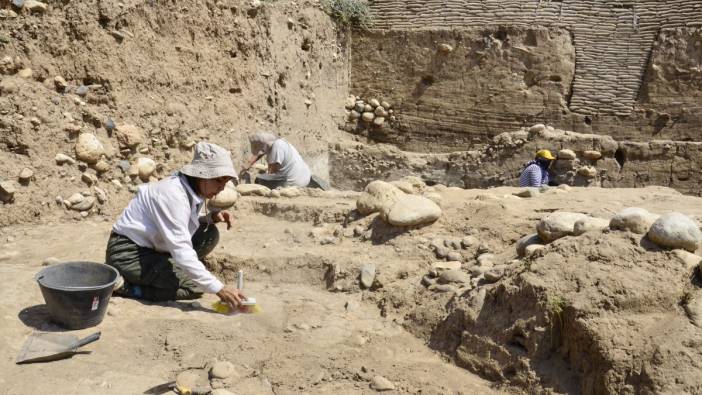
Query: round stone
(557, 225)
(590, 224)
(145, 168)
(445, 48)
(526, 241)
(226, 198)
(676, 230)
(411, 210)
(253, 189)
(129, 136)
(380, 383)
(63, 158)
(566, 154)
(588, 171)
(453, 276)
(222, 370)
(26, 174)
(592, 155)
(633, 219)
(377, 196)
(89, 148)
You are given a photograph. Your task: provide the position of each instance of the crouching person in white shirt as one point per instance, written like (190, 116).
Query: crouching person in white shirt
(159, 240)
(285, 165)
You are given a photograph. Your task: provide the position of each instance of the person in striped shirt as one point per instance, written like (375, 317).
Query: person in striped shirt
(535, 173)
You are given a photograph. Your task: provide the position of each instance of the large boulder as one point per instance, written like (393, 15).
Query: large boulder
(590, 224)
(676, 230)
(226, 198)
(557, 225)
(377, 196)
(411, 210)
(634, 219)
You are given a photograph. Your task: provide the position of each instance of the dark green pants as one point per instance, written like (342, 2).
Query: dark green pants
(155, 272)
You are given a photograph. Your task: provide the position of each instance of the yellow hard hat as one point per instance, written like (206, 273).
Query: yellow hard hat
(546, 154)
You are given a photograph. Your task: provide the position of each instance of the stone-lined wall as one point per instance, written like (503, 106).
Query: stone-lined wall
(636, 71)
(674, 164)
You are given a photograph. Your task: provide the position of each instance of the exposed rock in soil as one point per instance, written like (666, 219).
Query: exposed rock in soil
(380, 383)
(676, 230)
(633, 219)
(378, 196)
(590, 224)
(557, 225)
(412, 210)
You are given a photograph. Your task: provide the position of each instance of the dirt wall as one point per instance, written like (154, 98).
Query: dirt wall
(179, 71)
(446, 101)
(635, 74)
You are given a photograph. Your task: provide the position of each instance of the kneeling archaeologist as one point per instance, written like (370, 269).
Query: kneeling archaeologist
(535, 173)
(159, 240)
(285, 165)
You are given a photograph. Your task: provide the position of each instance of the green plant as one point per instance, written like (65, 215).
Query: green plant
(350, 13)
(556, 304)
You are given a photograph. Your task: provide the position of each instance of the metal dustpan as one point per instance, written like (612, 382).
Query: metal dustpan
(49, 346)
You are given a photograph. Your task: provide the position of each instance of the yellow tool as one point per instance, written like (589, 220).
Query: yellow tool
(247, 306)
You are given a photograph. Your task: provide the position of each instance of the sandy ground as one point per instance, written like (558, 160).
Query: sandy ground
(327, 335)
(307, 340)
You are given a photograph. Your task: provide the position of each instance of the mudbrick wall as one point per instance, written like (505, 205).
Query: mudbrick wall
(629, 69)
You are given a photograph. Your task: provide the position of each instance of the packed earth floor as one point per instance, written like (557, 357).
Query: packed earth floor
(322, 331)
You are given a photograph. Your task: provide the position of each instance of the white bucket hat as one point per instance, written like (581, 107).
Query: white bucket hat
(210, 161)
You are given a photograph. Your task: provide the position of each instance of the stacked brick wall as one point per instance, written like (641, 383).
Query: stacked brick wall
(613, 39)
(635, 76)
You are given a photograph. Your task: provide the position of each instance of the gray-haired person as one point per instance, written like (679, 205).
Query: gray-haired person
(285, 165)
(159, 240)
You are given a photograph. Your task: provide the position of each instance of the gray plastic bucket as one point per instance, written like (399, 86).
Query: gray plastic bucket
(77, 293)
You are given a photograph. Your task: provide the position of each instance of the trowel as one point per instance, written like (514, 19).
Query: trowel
(49, 346)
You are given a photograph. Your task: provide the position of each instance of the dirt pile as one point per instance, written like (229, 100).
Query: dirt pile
(607, 311)
(142, 81)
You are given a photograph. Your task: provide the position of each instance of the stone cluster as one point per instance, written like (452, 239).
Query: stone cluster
(465, 263)
(105, 156)
(370, 113)
(670, 231)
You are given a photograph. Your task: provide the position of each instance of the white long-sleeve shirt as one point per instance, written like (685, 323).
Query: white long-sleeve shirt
(164, 216)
